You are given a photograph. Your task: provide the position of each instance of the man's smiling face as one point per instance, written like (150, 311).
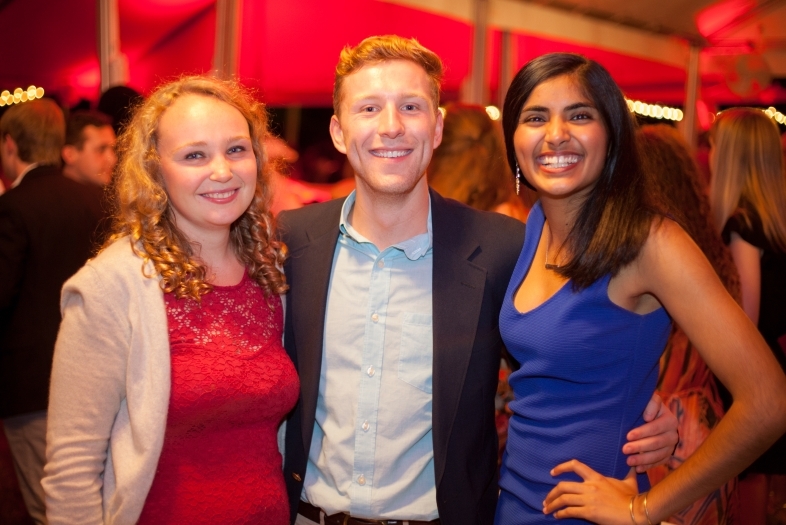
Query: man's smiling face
(387, 125)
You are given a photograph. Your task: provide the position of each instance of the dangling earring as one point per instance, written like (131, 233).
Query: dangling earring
(518, 178)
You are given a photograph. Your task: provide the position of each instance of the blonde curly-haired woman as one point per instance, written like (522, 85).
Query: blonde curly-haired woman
(169, 378)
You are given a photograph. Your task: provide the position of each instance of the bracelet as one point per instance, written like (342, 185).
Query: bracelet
(630, 508)
(646, 512)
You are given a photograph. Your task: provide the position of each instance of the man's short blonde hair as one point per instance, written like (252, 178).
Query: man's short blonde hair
(38, 129)
(376, 49)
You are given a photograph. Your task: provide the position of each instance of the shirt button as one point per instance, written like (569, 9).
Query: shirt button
(361, 480)
(370, 371)
(380, 263)
(365, 426)
(375, 318)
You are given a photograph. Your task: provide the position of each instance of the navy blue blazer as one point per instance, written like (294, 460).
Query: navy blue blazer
(474, 256)
(48, 228)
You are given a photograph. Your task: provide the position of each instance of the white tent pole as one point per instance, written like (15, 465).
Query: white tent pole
(113, 63)
(227, 43)
(691, 95)
(477, 84)
(506, 66)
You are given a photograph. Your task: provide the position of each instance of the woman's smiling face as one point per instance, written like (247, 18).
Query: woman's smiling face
(207, 162)
(561, 141)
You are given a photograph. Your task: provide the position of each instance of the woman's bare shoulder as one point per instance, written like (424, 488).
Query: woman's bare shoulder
(668, 242)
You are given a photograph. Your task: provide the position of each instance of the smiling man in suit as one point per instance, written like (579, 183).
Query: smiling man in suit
(392, 317)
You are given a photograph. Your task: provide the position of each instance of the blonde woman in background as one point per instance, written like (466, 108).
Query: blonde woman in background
(169, 378)
(748, 197)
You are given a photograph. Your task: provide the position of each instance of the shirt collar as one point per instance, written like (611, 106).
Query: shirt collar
(414, 247)
(25, 171)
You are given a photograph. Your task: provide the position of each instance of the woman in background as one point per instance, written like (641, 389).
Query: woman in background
(685, 383)
(169, 378)
(748, 197)
(469, 165)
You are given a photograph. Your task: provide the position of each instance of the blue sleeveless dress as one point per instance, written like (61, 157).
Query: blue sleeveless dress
(588, 369)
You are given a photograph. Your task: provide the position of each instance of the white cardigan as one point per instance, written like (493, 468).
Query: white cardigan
(109, 393)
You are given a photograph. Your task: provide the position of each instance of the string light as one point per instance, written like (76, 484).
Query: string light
(654, 110)
(19, 95)
(776, 115)
(493, 112)
(635, 106)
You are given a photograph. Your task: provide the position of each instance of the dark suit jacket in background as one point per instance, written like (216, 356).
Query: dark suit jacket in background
(47, 225)
(474, 256)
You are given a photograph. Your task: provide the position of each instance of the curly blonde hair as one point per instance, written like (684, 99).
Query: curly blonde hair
(143, 211)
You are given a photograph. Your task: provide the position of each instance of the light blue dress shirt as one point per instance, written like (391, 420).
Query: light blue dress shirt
(371, 453)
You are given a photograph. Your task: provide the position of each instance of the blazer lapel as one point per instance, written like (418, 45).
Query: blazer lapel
(311, 265)
(457, 297)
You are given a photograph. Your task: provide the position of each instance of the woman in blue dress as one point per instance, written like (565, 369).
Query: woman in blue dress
(586, 315)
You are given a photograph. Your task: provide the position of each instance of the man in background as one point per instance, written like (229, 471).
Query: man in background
(46, 225)
(89, 151)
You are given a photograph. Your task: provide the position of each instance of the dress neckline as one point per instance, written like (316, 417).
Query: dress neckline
(228, 287)
(537, 220)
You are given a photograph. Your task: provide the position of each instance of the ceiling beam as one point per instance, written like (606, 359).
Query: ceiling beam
(558, 24)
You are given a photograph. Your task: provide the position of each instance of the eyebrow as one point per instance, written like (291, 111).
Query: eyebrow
(577, 105)
(191, 144)
(202, 143)
(374, 96)
(424, 96)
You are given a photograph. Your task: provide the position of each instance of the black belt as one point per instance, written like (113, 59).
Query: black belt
(314, 514)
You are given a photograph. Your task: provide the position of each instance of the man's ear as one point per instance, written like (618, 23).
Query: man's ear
(337, 134)
(440, 125)
(69, 154)
(9, 145)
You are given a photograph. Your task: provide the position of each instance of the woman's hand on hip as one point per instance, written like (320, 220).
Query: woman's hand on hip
(598, 499)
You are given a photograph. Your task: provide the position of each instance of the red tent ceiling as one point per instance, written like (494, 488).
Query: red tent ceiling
(55, 44)
(288, 48)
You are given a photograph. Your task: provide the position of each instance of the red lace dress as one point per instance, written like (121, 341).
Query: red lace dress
(232, 383)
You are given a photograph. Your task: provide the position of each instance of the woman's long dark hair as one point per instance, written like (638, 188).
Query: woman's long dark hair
(614, 220)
